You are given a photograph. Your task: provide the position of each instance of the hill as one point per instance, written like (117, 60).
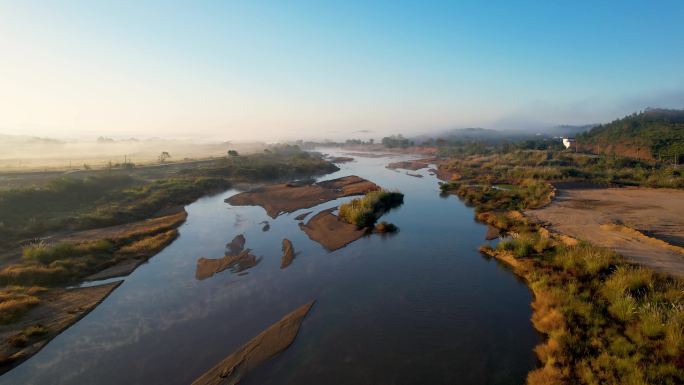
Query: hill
(651, 134)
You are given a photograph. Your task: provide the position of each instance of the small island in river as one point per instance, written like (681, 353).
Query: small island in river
(288, 197)
(267, 344)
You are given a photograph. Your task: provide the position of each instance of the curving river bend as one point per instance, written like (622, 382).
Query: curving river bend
(418, 307)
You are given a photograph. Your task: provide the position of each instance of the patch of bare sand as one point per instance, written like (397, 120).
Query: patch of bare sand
(330, 231)
(288, 254)
(301, 216)
(289, 197)
(57, 310)
(267, 344)
(644, 225)
(237, 258)
(207, 267)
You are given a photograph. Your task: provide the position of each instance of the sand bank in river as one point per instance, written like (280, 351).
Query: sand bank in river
(262, 347)
(301, 216)
(289, 197)
(58, 309)
(330, 231)
(288, 254)
(207, 267)
(237, 258)
(644, 225)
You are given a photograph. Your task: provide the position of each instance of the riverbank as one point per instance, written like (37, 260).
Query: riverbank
(37, 303)
(606, 320)
(69, 245)
(644, 225)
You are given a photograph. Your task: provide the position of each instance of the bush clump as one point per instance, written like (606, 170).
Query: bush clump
(364, 212)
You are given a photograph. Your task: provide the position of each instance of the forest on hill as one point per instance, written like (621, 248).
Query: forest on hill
(651, 134)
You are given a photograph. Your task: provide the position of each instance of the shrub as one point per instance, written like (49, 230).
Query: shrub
(363, 212)
(384, 227)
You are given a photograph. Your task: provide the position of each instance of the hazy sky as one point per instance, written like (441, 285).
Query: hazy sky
(315, 69)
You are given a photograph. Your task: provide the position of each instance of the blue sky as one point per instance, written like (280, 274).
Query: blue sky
(285, 69)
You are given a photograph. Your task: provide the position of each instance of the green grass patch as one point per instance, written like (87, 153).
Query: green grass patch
(364, 212)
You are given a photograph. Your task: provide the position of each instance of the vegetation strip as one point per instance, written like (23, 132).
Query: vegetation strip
(607, 321)
(44, 267)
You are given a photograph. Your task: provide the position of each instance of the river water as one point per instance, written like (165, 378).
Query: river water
(418, 307)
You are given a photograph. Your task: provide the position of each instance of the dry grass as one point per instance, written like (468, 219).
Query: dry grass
(15, 301)
(149, 245)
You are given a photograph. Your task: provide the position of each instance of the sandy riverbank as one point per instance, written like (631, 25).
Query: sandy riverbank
(639, 223)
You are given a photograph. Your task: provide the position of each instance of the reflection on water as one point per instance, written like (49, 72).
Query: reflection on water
(421, 306)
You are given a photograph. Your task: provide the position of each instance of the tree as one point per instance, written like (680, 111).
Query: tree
(164, 156)
(395, 141)
(232, 153)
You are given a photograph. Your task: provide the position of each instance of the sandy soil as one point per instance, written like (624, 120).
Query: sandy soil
(288, 254)
(207, 267)
(289, 197)
(236, 245)
(58, 309)
(644, 225)
(267, 344)
(330, 231)
(301, 216)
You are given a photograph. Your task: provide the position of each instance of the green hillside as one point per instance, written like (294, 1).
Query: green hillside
(651, 134)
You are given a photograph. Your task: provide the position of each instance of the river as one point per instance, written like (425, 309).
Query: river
(418, 307)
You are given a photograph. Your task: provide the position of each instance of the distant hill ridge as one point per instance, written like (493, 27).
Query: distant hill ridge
(654, 133)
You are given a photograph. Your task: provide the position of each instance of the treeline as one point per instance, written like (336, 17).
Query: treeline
(396, 141)
(651, 134)
(559, 166)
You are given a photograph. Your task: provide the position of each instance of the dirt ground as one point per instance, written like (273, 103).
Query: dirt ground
(288, 197)
(258, 350)
(330, 231)
(644, 225)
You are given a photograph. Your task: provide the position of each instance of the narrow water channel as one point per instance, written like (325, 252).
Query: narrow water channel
(417, 307)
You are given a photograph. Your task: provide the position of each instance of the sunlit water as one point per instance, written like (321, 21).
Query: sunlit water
(418, 307)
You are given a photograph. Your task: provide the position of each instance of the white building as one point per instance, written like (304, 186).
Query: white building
(568, 142)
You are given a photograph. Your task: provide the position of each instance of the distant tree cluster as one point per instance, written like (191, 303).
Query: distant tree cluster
(657, 133)
(349, 142)
(395, 141)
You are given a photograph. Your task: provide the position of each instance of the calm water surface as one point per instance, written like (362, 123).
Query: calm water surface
(418, 307)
